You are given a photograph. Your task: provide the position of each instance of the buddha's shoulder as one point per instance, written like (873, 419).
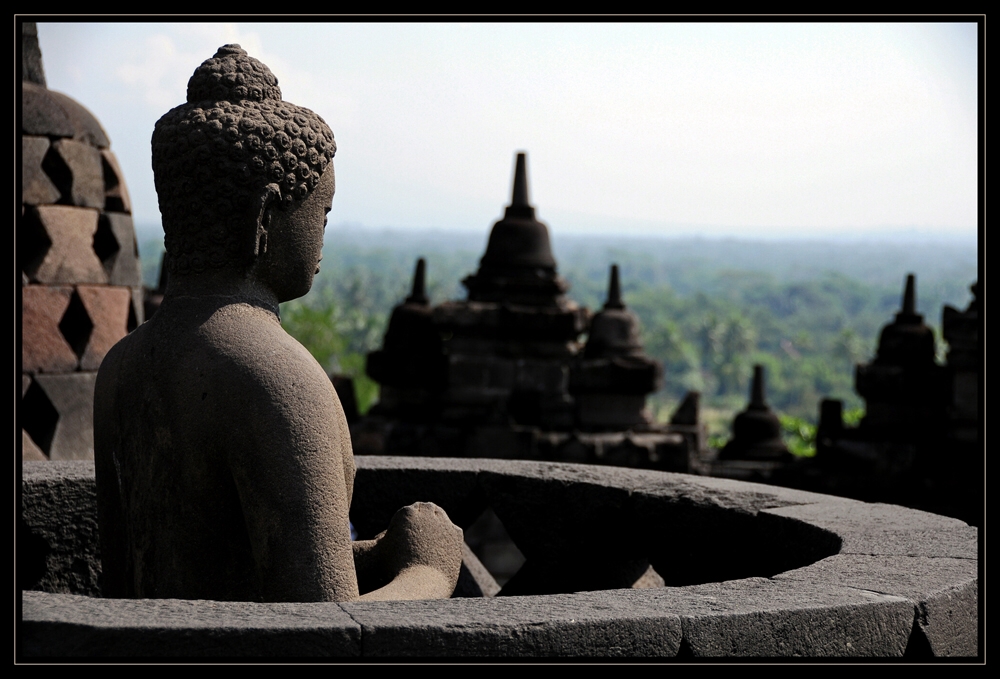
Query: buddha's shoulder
(253, 341)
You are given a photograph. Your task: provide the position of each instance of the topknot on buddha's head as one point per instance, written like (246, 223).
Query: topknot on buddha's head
(215, 155)
(232, 75)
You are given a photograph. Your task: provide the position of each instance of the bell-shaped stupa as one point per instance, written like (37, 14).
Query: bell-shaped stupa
(80, 277)
(756, 430)
(903, 387)
(518, 266)
(614, 377)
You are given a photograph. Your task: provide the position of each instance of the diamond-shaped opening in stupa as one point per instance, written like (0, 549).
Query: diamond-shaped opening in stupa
(76, 325)
(33, 243)
(106, 245)
(39, 417)
(112, 189)
(60, 174)
(491, 543)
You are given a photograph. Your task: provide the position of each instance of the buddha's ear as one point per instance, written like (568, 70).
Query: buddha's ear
(270, 199)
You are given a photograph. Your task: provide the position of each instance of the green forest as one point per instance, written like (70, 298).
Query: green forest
(709, 309)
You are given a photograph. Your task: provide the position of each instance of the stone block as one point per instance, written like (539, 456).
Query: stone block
(70, 258)
(617, 411)
(86, 171)
(57, 537)
(594, 624)
(43, 346)
(543, 376)
(116, 196)
(120, 254)
(49, 113)
(108, 309)
(761, 618)
(479, 372)
(76, 626)
(888, 529)
(42, 114)
(943, 592)
(36, 187)
(72, 396)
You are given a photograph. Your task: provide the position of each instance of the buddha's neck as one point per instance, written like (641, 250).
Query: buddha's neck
(221, 287)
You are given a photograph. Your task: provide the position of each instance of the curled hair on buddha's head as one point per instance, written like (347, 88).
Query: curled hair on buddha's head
(216, 157)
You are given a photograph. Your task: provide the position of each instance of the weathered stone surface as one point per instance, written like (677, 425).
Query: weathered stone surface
(72, 395)
(68, 625)
(847, 605)
(220, 441)
(942, 591)
(31, 55)
(116, 196)
(123, 264)
(52, 114)
(767, 619)
(36, 186)
(42, 114)
(594, 624)
(59, 512)
(881, 529)
(43, 346)
(84, 164)
(70, 258)
(108, 309)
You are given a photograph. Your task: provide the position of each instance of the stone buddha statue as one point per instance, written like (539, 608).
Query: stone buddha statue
(223, 457)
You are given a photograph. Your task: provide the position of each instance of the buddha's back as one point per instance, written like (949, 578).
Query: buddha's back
(185, 535)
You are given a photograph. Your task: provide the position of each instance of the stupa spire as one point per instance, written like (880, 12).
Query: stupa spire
(757, 400)
(614, 291)
(518, 266)
(519, 196)
(910, 296)
(418, 295)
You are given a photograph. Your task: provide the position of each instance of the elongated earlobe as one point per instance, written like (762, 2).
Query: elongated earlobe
(270, 198)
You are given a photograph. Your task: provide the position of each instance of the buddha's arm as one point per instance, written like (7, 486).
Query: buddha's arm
(418, 557)
(289, 438)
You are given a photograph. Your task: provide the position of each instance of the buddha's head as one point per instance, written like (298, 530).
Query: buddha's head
(234, 162)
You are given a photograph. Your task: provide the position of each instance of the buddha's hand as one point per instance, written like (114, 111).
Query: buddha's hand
(422, 537)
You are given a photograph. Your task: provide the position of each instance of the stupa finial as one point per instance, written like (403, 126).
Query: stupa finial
(614, 291)
(757, 400)
(910, 296)
(418, 295)
(519, 196)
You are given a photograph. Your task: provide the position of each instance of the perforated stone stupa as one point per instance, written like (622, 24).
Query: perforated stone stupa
(80, 277)
(919, 443)
(504, 373)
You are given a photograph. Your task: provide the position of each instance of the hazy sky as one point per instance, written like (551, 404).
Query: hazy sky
(747, 129)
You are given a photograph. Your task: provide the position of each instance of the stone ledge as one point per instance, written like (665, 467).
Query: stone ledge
(918, 596)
